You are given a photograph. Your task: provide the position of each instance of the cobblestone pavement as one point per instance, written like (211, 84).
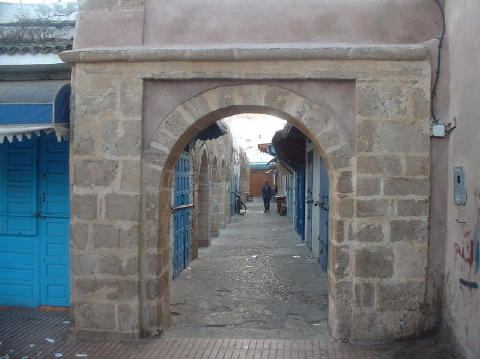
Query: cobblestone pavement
(255, 284)
(256, 280)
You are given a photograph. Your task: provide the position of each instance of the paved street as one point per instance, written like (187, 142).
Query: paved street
(256, 280)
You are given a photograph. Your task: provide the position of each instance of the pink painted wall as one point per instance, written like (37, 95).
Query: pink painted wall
(221, 22)
(462, 305)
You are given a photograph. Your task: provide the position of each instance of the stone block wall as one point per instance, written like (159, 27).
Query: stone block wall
(389, 227)
(212, 152)
(379, 187)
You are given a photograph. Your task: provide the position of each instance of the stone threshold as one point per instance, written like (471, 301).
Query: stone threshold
(260, 52)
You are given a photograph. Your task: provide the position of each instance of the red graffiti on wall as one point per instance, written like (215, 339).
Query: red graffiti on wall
(469, 257)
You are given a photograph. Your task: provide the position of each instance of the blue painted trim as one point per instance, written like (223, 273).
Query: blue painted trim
(258, 166)
(26, 114)
(471, 285)
(57, 110)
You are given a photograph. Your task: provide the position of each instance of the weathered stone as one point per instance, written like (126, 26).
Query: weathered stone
(130, 175)
(413, 207)
(414, 260)
(128, 139)
(408, 230)
(130, 92)
(380, 164)
(83, 145)
(115, 264)
(344, 182)
(253, 95)
(106, 289)
(421, 104)
(155, 287)
(152, 289)
(105, 236)
(156, 157)
(84, 206)
(367, 134)
(276, 97)
(381, 101)
(370, 233)
(329, 138)
(368, 186)
(122, 207)
(375, 262)
(107, 135)
(417, 166)
(343, 292)
(373, 207)
(127, 315)
(197, 107)
(341, 262)
(364, 294)
(340, 157)
(151, 206)
(129, 237)
(401, 186)
(409, 137)
(79, 235)
(83, 263)
(346, 207)
(410, 296)
(339, 230)
(175, 123)
(103, 103)
(94, 315)
(94, 172)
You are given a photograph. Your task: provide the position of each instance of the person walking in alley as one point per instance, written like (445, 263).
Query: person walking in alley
(267, 196)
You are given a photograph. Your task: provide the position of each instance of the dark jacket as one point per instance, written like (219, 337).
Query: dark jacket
(267, 191)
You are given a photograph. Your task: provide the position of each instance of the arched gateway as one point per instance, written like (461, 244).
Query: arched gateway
(365, 109)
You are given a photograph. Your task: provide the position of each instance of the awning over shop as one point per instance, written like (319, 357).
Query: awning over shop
(213, 131)
(28, 107)
(289, 144)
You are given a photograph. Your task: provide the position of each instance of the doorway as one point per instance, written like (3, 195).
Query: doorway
(34, 222)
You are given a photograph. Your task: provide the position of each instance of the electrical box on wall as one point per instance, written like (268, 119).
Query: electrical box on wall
(459, 191)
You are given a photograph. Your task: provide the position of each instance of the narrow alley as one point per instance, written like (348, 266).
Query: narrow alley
(256, 280)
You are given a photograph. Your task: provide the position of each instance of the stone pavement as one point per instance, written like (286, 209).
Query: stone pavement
(256, 280)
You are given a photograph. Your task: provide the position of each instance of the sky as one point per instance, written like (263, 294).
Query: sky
(251, 129)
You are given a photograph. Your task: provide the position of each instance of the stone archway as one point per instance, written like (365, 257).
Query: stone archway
(379, 176)
(309, 117)
(204, 202)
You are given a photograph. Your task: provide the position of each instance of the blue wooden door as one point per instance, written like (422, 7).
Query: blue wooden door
(324, 208)
(34, 223)
(309, 199)
(54, 222)
(19, 246)
(181, 247)
(300, 195)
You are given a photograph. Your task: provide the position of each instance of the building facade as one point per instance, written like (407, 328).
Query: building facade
(402, 239)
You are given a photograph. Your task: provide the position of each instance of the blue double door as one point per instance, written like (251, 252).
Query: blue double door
(34, 222)
(181, 215)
